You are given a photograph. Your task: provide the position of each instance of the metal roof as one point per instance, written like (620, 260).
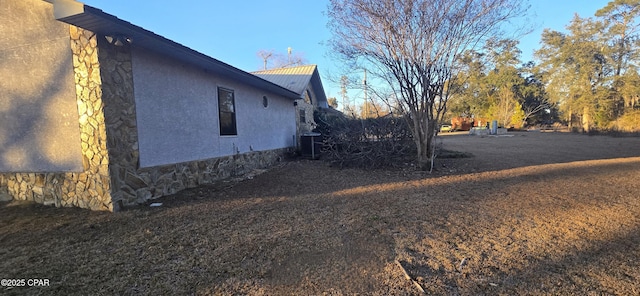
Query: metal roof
(293, 78)
(95, 20)
(297, 79)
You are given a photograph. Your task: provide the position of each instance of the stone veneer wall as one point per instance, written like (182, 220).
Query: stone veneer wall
(138, 186)
(91, 187)
(310, 123)
(112, 177)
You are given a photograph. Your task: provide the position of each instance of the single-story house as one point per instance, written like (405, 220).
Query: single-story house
(305, 82)
(98, 113)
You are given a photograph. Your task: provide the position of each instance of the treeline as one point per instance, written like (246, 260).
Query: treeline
(586, 78)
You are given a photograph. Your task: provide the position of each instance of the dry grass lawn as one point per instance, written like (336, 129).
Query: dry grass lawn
(530, 214)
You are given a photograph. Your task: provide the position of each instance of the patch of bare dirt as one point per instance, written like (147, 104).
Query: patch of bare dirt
(533, 213)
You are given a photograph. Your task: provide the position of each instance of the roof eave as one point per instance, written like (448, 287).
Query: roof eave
(78, 14)
(316, 78)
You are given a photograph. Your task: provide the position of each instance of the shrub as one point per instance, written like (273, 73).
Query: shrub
(629, 122)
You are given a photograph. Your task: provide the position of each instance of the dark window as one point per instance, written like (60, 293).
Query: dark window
(303, 116)
(265, 101)
(227, 110)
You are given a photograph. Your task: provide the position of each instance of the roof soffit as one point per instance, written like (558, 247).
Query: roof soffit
(95, 20)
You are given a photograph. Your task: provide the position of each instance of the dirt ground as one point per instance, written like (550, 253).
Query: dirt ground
(529, 214)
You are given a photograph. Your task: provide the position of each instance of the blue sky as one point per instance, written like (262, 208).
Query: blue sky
(234, 31)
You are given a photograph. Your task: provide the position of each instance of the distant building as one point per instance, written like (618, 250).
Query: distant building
(304, 81)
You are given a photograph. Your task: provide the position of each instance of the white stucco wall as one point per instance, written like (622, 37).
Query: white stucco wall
(177, 114)
(39, 127)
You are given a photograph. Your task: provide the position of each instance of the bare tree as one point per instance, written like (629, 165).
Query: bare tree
(413, 45)
(273, 60)
(289, 60)
(333, 102)
(265, 55)
(344, 82)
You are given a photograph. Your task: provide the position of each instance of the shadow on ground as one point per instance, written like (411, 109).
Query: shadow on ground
(541, 227)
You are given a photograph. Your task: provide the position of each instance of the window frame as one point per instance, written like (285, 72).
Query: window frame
(230, 129)
(302, 115)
